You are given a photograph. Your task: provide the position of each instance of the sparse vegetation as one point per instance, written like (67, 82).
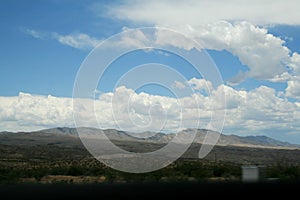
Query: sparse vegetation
(56, 164)
(60, 158)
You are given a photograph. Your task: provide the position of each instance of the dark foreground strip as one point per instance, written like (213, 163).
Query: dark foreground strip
(149, 190)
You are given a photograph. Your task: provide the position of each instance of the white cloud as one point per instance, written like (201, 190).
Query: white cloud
(269, 111)
(231, 25)
(200, 84)
(179, 85)
(78, 40)
(31, 112)
(293, 81)
(295, 63)
(293, 88)
(237, 79)
(166, 37)
(263, 53)
(75, 40)
(33, 33)
(254, 112)
(285, 76)
(206, 11)
(262, 112)
(132, 39)
(234, 98)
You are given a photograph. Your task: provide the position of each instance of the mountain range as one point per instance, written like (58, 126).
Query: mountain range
(59, 134)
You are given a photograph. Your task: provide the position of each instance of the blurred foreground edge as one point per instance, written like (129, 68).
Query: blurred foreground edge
(150, 190)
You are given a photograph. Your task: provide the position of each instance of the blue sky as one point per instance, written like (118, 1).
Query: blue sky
(43, 44)
(26, 60)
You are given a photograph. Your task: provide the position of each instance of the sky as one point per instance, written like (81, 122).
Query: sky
(255, 45)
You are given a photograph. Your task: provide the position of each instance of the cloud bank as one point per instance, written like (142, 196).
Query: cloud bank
(193, 12)
(255, 111)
